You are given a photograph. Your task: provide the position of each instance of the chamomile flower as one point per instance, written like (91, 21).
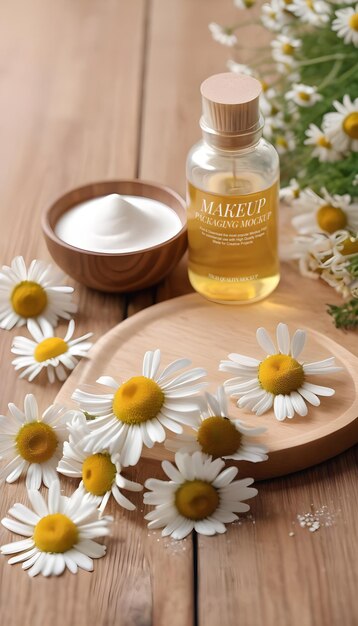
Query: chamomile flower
(340, 280)
(223, 35)
(341, 127)
(100, 473)
(329, 213)
(218, 435)
(48, 352)
(285, 142)
(139, 410)
(323, 148)
(59, 533)
(33, 293)
(284, 49)
(268, 104)
(239, 68)
(274, 16)
(346, 25)
(199, 496)
(314, 12)
(32, 443)
(290, 193)
(244, 4)
(320, 251)
(279, 380)
(274, 124)
(303, 95)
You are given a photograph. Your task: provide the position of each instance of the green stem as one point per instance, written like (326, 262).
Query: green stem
(331, 76)
(242, 24)
(339, 56)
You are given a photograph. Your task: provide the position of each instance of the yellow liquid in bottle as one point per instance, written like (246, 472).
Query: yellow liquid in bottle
(233, 247)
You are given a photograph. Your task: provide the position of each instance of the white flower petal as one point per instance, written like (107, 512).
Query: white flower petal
(280, 407)
(283, 338)
(298, 342)
(265, 342)
(318, 389)
(298, 403)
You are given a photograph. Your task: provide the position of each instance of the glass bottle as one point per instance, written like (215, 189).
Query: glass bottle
(232, 192)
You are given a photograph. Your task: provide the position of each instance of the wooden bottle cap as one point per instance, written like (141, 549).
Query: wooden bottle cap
(231, 102)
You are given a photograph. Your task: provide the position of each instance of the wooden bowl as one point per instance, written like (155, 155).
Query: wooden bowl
(122, 271)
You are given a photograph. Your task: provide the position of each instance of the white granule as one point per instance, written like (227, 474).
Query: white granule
(315, 519)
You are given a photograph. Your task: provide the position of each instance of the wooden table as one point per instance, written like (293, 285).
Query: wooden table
(103, 89)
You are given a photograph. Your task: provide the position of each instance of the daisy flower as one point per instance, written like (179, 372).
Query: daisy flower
(32, 443)
(285, 142)
(284, 49)
(303, 95)
(321, 251)
(244, 4)
(46, 351)
(329, 213)
(346, 25)
(239, 68)
(323, 149)
(219, 435)
(59, 533)
(291, 192)
(199, 496)
(274, 16)
(223, 35)
(340, 280)
(268, 104)
(342, 127)
(100, 472)
(139, 410)
(314, 12)
(274, 123)
(279, 380)
(33, 293)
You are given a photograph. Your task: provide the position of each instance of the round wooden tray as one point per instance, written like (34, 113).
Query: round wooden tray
(190, 326)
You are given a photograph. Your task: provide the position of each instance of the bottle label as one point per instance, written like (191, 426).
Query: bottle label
(233, 238)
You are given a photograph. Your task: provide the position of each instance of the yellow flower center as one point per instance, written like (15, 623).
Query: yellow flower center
(264, 85)
(196, 499)
(310, 5)
(287, 49)
(28, 299)
(98, 473)
(350, 125)
(281, 374)
(350, 246)
(353, 21)
(55, 533)
(219, 437)
(331, 218)
(323, 142)
(50, 348)
(281, 141)
(303, 95)
(36, 442)
(138, 400)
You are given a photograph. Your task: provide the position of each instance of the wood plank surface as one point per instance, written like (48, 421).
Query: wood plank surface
(99, 89)
(70, 113)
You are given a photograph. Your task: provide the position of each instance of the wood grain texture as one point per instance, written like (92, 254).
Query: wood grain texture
(206, 333)
(70, 109)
